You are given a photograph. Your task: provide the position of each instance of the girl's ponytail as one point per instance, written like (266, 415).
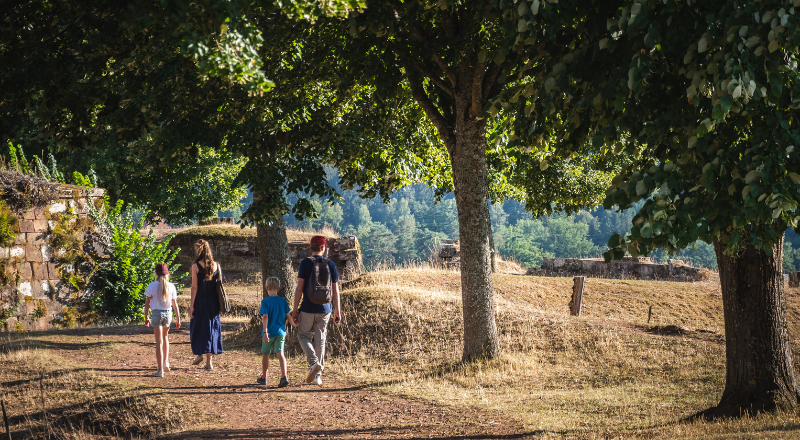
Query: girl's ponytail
(162, 281)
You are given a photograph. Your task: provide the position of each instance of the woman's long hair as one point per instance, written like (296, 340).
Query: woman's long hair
(203, 251)
(163, 280)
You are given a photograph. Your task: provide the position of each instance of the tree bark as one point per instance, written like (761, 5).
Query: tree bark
(471, 188)
(273, 254)
(760, 372)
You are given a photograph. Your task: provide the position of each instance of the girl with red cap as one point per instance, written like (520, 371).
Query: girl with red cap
(162, 297)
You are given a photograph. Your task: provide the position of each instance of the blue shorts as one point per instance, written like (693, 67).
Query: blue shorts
(161, 318)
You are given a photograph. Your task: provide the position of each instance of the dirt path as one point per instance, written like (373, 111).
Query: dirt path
(237, 408)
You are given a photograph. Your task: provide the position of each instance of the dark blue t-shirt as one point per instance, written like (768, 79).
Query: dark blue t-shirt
(304, 273)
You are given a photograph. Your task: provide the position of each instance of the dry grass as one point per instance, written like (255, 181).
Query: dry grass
(606, 374)
(46, 396)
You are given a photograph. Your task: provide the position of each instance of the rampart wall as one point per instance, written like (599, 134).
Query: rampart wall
(33, 292)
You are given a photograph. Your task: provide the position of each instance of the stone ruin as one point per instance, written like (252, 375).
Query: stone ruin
(640, 268)
(34, 286)
(238, 255)
(794, 279)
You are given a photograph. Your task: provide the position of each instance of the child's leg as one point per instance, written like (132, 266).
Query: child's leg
(282, 360)
(264, 365)
(166, 346)
(157, 332)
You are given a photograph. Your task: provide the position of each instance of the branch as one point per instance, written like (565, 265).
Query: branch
(448, 73)
(477, 90)
(424, 41)
(427, 73)
(431, 111)
(490, 86)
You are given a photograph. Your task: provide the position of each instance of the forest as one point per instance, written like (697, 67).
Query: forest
(407, 228)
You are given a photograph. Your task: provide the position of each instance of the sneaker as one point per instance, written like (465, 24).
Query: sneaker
(166, 367)
(318, 380)
(262, 381)
(313, 371)
(158, 373)
(284, 382)
(198, 360)
(208, 367)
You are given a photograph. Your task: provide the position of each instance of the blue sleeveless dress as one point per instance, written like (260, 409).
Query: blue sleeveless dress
(205, 329)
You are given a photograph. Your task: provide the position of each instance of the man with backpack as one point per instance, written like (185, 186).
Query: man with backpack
(318, 286)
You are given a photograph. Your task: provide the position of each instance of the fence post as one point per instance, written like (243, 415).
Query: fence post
(577, 296)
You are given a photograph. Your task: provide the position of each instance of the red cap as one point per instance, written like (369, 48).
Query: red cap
(162, 269)
(318, 240)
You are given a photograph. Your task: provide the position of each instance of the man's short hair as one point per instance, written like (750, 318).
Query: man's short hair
(317, 247)
(273, 283)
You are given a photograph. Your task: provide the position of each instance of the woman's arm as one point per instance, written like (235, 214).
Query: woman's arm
(193, 290)
(147, 312)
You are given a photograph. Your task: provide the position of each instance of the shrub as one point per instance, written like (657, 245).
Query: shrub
(120, 281)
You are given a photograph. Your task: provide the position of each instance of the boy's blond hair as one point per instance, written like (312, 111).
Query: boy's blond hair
(273, 283)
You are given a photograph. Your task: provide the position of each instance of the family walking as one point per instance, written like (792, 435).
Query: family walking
(317, 287)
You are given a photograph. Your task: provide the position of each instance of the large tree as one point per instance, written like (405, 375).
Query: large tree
(703, 97)
(134, 85)
(456, 58)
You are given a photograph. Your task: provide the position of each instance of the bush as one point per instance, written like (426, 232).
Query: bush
(120, 281)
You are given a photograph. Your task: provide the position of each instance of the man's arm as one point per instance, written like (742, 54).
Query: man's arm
(298, 295)
(337, 304)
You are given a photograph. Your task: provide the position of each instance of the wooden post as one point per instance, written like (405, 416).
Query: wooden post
(5, 419)
(577, 296)
(649, 314)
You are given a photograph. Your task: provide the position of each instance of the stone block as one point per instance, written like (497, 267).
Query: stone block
(39, 271)
(350, 254)
(59, 206)
(36, 289)
(26, 226)
(52, 271)
(38, 238)
(558, 263)
(17, 252)
(22, 238)
(40, 226)
(5, 252)
(547, 263)
(29, 215)
(27, 272)
(33, 252)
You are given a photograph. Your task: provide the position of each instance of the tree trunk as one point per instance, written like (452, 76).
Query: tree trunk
(273, 254)
(760, 372)
(471, 188)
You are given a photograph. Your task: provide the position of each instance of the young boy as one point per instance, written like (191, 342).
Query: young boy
(274, 310)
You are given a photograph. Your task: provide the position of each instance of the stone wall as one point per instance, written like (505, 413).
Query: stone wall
(34, 282)
(641, 268)
(238, 255)
(794, 279)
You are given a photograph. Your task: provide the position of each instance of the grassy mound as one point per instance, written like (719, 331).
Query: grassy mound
(54, 399)
(235, 232)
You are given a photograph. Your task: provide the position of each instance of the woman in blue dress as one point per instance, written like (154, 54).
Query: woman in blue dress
(205, 327)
